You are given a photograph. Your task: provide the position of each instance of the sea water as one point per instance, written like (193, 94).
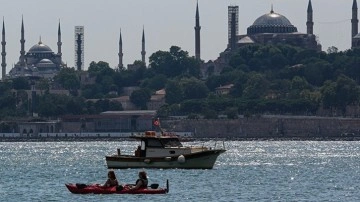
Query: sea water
(247, 171)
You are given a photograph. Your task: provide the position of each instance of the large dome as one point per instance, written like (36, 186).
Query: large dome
(271, 23)
(40, 48)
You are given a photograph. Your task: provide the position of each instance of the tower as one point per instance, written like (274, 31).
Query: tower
(354, 20)
(79, 47)
(310, 22)
(59, 43)
(197, 33)
(233, 26)
(3, 53)
(143, 48)
(120, 53)
(22, 42)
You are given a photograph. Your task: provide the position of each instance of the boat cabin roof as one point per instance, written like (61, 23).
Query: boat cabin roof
(151, 139)
(153, 135)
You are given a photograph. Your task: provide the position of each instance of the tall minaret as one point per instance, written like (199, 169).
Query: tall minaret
(22, 42)
(197, 33)
(354, 20)
(143, 48)
(310, 22)
(120, 53)
(3, 52)
(59, 43)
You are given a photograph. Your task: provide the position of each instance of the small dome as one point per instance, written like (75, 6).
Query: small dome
(357, 36)
(45, 61)
(271, 23)
(40, 48)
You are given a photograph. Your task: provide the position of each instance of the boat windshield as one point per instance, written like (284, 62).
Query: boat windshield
(171, 142)
(154, 143)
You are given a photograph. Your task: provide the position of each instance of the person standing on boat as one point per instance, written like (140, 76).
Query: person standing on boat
(142, 182)
(111, 181)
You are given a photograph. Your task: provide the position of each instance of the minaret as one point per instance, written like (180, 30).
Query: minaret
(22, 42)
(354, 20)
(59, 43)
(3, 52)
(310, 22)
(197, 33)
(120, 53)
(143, 48)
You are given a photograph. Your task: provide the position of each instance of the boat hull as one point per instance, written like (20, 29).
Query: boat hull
(97, 189)
(199, 160)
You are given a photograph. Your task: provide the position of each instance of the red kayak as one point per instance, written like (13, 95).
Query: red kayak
(98, 189)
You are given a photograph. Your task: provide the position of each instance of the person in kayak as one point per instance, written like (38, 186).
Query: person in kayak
(142, 182)
(111, 181)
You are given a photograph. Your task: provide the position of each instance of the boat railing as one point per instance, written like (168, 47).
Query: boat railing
(216, 145)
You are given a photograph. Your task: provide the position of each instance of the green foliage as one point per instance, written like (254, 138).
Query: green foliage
(231, 113)
(21, 83)
(193, 106)
(155, 83)
(279, 79)
(194, 88)
(68, 78)
(174, 93)
(210, 114)
(140, 97)
(174, 62)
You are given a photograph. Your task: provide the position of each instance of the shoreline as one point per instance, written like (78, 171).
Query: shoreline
(194, 139)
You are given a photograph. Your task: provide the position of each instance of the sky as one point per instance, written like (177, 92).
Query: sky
(166, 23)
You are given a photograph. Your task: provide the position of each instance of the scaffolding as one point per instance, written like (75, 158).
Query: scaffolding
(233, 25)
(79, 47)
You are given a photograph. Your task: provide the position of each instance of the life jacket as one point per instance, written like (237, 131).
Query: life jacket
(144, 183)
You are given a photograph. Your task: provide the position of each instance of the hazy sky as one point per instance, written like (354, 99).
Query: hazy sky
(166, 22)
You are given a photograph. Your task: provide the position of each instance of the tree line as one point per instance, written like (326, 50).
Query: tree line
(267, 79)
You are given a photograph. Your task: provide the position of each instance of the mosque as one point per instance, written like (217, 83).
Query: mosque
(38, 61)
(271, 28)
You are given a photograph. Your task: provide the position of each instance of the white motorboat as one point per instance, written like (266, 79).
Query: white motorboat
(165, 150)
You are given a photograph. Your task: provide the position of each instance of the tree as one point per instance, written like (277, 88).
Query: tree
(174, 63)
(328, 92)
(332, 49)
(256, 86)
(140, 97)
(347, 92)
(155, 83)
(21, 83)
(231, 113)
(68, 78)
(174, 93)
(194, 88)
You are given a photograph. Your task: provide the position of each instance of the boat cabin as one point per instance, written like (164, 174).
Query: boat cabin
(152, 144)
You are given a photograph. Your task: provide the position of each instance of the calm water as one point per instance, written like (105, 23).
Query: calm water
(248, 171)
